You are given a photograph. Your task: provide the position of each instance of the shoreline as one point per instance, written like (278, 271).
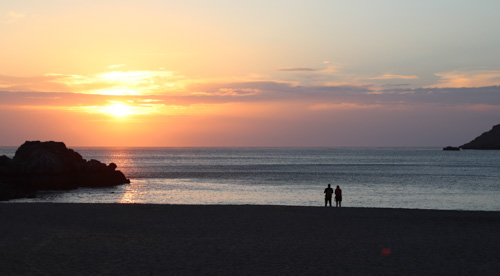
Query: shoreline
(13, 201)
(157, 239)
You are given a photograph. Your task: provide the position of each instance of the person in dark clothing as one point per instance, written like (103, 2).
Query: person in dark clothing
(338, 197)
(328, 195)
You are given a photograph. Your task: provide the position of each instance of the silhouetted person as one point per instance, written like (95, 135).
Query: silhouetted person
(328, 195)
(338, 197)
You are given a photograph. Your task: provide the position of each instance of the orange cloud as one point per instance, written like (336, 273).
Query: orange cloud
(458, 79)
(123, 82)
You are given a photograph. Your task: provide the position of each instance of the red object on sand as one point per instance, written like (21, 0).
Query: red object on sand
(386, 251)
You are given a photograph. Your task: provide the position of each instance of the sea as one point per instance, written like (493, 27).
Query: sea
(416, 178)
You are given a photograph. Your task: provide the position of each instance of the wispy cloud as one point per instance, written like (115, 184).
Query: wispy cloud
(39, 83)
(12, 17)
(298, 69)
(235, 92)
(330, 69)
(115, 66)
(109, 83)
(463, 78)
(391, 76)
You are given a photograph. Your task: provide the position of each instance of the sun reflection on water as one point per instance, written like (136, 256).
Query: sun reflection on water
(186, 191)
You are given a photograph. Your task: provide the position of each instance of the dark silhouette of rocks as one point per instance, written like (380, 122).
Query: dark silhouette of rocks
(450, 148)
(489, 140)
(52, 166)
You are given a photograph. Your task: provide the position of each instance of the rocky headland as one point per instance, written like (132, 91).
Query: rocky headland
(489, 140)
(52, 166)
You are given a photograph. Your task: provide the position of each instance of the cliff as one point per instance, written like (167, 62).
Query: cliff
(489, 140)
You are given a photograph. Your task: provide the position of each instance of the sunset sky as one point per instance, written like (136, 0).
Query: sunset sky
(249, 73)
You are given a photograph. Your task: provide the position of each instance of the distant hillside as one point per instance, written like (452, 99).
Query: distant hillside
(487, 141)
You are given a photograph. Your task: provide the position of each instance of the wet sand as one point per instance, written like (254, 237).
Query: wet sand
(127, 239)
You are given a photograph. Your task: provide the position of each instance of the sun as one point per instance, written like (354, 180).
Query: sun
(118, 110)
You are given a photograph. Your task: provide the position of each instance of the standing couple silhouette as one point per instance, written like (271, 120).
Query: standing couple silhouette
(328, 196)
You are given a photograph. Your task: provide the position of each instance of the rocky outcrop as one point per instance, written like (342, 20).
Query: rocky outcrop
(52, 166)
(489, 140)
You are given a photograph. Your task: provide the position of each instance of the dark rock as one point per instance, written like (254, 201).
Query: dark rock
(52, 166)
(15, 186)
(94, 166)
(8, 166)
(451, 148)
(489, 140)
(48, 157)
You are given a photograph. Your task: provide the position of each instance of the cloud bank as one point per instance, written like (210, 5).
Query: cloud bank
(250, 92)
(168, 109)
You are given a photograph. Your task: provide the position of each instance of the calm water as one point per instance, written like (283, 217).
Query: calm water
(426, 178)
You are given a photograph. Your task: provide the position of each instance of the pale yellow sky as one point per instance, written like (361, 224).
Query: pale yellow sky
(249, 73)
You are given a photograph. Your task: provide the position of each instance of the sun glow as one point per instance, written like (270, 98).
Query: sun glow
(118, 110)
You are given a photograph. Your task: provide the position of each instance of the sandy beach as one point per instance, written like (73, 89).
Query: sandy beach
(114, 239)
